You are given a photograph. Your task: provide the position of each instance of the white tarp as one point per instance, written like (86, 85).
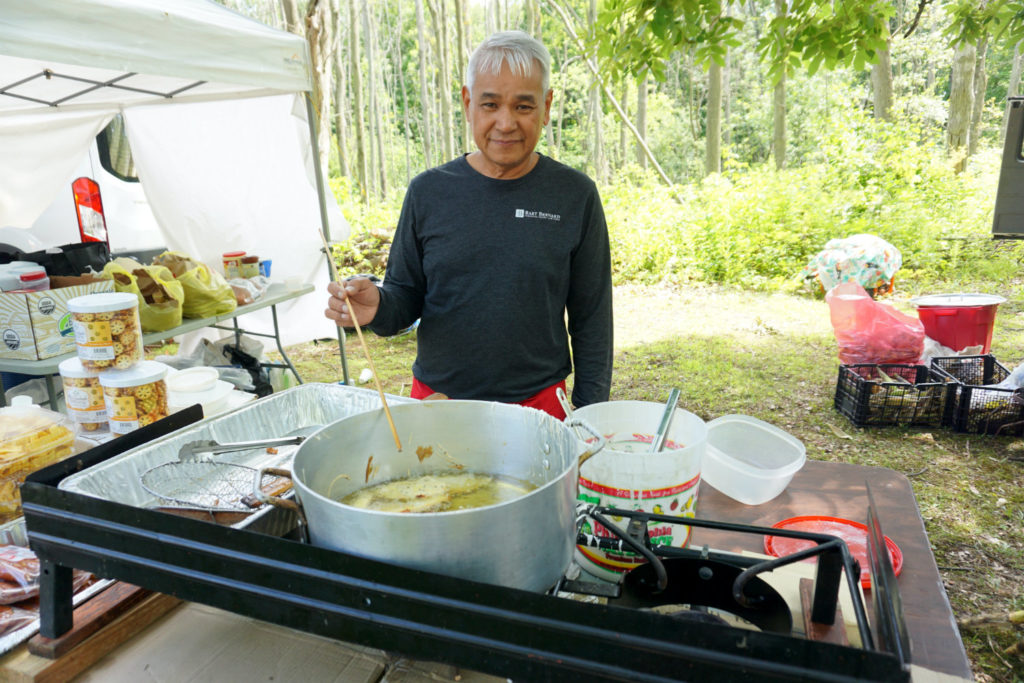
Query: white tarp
(191, 39)
(217, 182)
(220, 166)
(38, 156)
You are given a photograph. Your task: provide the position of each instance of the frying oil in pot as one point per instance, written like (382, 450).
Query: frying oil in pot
(438, 492)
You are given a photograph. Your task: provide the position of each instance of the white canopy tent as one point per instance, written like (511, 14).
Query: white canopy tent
(217, 116)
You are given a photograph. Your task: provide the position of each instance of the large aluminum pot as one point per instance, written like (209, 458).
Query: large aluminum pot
(523, 543)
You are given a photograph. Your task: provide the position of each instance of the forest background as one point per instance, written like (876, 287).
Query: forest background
(730, 142)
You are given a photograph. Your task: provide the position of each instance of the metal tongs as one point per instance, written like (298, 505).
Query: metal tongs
(195, 451)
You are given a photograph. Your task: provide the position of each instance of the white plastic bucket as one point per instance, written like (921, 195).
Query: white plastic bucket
(628, 476)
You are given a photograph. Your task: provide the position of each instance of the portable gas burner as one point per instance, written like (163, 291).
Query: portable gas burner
(507, 632)
(705, 586)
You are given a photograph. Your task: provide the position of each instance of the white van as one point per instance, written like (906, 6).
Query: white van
(104, 202)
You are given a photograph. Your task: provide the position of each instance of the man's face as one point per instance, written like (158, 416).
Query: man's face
(507, 113)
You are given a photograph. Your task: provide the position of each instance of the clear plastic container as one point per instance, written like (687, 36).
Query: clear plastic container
(83, 397)
(108, 333)
(250, 266)
(10, 274)
(232, 261)
(34, 280)
(30, 438)
(750, 460)
(135, 397)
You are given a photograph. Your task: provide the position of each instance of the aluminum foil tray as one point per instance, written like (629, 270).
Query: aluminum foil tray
(295, 410)
(15, 533)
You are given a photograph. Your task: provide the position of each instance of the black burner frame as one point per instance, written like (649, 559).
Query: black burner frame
(497, 630)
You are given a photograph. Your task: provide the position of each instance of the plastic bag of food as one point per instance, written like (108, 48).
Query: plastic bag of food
(19, 575)
(18, 565)
(13, 618)
(207, 293)
(865, 259)
(160, 295)
(871, 332)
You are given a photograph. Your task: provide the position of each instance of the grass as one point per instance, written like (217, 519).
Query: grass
(774, 356)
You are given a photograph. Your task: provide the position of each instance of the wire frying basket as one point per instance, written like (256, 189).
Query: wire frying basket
(206, 485)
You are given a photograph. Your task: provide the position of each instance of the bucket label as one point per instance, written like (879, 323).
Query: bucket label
(678, 500)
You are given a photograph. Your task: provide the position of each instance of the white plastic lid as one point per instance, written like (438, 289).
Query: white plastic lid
(22, 401)
(103, 302)
(957, 300)
(143, 372)
(192, 380)
(72, 367)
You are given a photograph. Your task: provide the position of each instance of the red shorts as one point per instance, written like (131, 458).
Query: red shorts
(545, 399)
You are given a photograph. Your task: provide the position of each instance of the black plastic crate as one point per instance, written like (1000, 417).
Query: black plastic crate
(981, 409)
(894, 394)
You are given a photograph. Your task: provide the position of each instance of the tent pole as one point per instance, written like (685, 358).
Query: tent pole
(325, 225)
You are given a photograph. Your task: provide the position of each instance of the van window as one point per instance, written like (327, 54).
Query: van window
(115, 154)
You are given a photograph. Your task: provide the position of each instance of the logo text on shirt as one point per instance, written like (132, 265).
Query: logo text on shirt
(523, 213)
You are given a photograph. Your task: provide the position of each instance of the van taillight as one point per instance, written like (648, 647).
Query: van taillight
(92, 226)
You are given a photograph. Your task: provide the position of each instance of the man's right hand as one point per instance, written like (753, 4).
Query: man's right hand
(363, 296)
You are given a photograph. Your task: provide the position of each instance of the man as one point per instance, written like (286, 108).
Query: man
(493, 249)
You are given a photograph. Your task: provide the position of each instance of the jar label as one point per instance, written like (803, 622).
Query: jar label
(93, 340)
(123, 416)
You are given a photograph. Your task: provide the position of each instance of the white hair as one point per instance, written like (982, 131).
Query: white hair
(517, 49)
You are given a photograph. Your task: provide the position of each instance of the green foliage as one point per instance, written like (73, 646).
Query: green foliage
(757, 228)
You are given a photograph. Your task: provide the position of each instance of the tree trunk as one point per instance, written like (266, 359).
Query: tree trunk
(713, 134)
(961, 105)
(623, 97)
(727, 99)
(318, 35)
(881, 85)
(376, 134)
(980, 83)
(292, 18)
(407, 130)
(428, 152)
(1013, 86)
(461, 59)
(438, 21)
(340, 128)
(597, 157)
(641, 118)
(357, 101)
(779, 108)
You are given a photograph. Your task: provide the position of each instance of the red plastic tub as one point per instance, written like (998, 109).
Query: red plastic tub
(959, 320)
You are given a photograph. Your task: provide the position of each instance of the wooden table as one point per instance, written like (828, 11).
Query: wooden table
(839, 490)
(275, 294)
(203, 643)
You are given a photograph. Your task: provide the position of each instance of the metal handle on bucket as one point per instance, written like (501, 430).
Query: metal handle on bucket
(576, 422)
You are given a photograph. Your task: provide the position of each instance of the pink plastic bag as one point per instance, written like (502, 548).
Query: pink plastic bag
(872, 332)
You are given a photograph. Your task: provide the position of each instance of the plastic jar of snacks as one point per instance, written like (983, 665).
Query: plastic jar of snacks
(135, 397)
(108, 333)
(232, 263)
(83, 396)
(250, 266)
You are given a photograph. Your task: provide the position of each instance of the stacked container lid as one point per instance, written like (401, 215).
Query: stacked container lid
(108, 338)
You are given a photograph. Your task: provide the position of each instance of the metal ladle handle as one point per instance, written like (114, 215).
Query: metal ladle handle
(575, 422)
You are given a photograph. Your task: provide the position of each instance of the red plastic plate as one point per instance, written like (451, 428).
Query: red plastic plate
(854, 533)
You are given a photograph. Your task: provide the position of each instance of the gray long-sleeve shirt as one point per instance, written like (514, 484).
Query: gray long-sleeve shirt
(491, 267)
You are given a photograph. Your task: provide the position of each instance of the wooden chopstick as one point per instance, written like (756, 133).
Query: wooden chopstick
(362, 342)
